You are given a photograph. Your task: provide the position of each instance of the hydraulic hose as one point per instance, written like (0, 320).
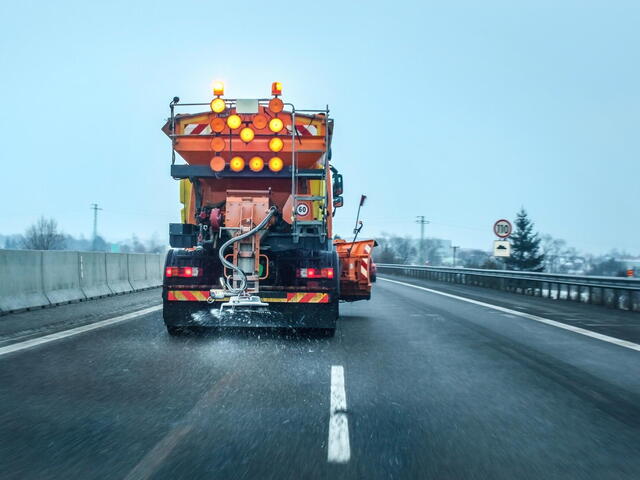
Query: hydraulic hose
(242, 236)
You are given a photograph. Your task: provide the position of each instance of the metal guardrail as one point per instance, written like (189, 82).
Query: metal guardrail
(615, 292)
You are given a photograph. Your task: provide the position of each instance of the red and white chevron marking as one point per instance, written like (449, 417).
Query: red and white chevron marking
(364, 267)
(197, 129)
(305, 130)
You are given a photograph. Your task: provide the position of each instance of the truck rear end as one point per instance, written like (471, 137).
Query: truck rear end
(254, 247)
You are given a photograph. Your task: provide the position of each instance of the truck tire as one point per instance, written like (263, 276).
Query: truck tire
(327, 332)
(174, 331)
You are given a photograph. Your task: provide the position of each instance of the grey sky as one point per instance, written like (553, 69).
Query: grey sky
(460, 113)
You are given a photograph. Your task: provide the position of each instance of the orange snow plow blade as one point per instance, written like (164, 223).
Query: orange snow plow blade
(355, 269)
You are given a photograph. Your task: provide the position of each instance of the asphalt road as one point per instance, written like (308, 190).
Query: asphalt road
(430, 386)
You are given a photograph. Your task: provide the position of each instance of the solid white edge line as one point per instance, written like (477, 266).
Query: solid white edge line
(16, 347)
(338, 449)
(553, 323)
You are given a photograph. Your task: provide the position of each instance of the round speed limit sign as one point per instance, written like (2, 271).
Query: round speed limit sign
(502, 228)
(302, 209)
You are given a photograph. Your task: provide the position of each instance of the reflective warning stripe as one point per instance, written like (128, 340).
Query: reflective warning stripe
(305, 130)
(188, 295)
(364, 267)
(202, 295)
(304, 297)
(197, 129)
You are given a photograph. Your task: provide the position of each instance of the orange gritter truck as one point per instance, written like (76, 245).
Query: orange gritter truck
(255, 244)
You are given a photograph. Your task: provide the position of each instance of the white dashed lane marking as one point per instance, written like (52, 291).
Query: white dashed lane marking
(339, 450)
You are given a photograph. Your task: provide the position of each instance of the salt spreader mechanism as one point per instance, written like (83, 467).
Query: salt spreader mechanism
(254, 247)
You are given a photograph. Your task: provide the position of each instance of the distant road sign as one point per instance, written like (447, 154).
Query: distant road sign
(501, 248)
(502, 228)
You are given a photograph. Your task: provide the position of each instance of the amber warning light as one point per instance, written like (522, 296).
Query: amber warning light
(218, 88)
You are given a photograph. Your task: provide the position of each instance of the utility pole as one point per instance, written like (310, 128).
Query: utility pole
(455, 249)
(422, 222)
(95, 208)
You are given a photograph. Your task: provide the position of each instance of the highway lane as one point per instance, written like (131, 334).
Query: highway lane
(435, 388)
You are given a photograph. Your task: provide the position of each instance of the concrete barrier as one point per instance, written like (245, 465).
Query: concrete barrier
(118, 273)
(33, 278)
(21, 280)
(61, 276)
(154, 269)
(93, 274)
(138, 271)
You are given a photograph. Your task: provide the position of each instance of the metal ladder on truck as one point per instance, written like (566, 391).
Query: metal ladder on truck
(309, 228)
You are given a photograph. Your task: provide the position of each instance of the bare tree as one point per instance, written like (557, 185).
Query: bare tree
(43, 235)
(554, 250)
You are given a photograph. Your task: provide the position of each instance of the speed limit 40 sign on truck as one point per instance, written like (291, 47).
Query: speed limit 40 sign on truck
(502, 228)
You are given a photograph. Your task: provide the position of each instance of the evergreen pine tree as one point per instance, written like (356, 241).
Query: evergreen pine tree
(525, 246)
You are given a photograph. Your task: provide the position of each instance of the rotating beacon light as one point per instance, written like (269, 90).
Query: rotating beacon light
(218, 88)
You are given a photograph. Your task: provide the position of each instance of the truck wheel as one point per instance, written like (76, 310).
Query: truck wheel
(327, 332)
(174, 331)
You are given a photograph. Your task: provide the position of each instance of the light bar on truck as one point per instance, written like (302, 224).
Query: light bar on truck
(315, 273)
(275, 125)
(217, 124)
(276, 105)
(182, 272)
(234, 121)
(276, 144)
(246, 134)
(275, 164)
(237, 164)
(259, 121)
(218, 144)
(217, 164)
(218, 105)
(256, 164)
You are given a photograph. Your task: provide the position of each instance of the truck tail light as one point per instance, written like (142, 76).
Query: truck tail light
(315, 273)
(182, 272)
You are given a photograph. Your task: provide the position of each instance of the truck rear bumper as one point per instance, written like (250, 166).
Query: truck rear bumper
(189, 308)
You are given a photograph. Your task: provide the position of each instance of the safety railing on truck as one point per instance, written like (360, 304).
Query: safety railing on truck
(615, 292)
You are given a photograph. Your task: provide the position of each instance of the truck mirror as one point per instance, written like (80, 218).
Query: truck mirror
(338, 202)
(338, 188)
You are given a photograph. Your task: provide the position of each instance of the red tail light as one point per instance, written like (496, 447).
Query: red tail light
(315, 273)
(182, 272)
